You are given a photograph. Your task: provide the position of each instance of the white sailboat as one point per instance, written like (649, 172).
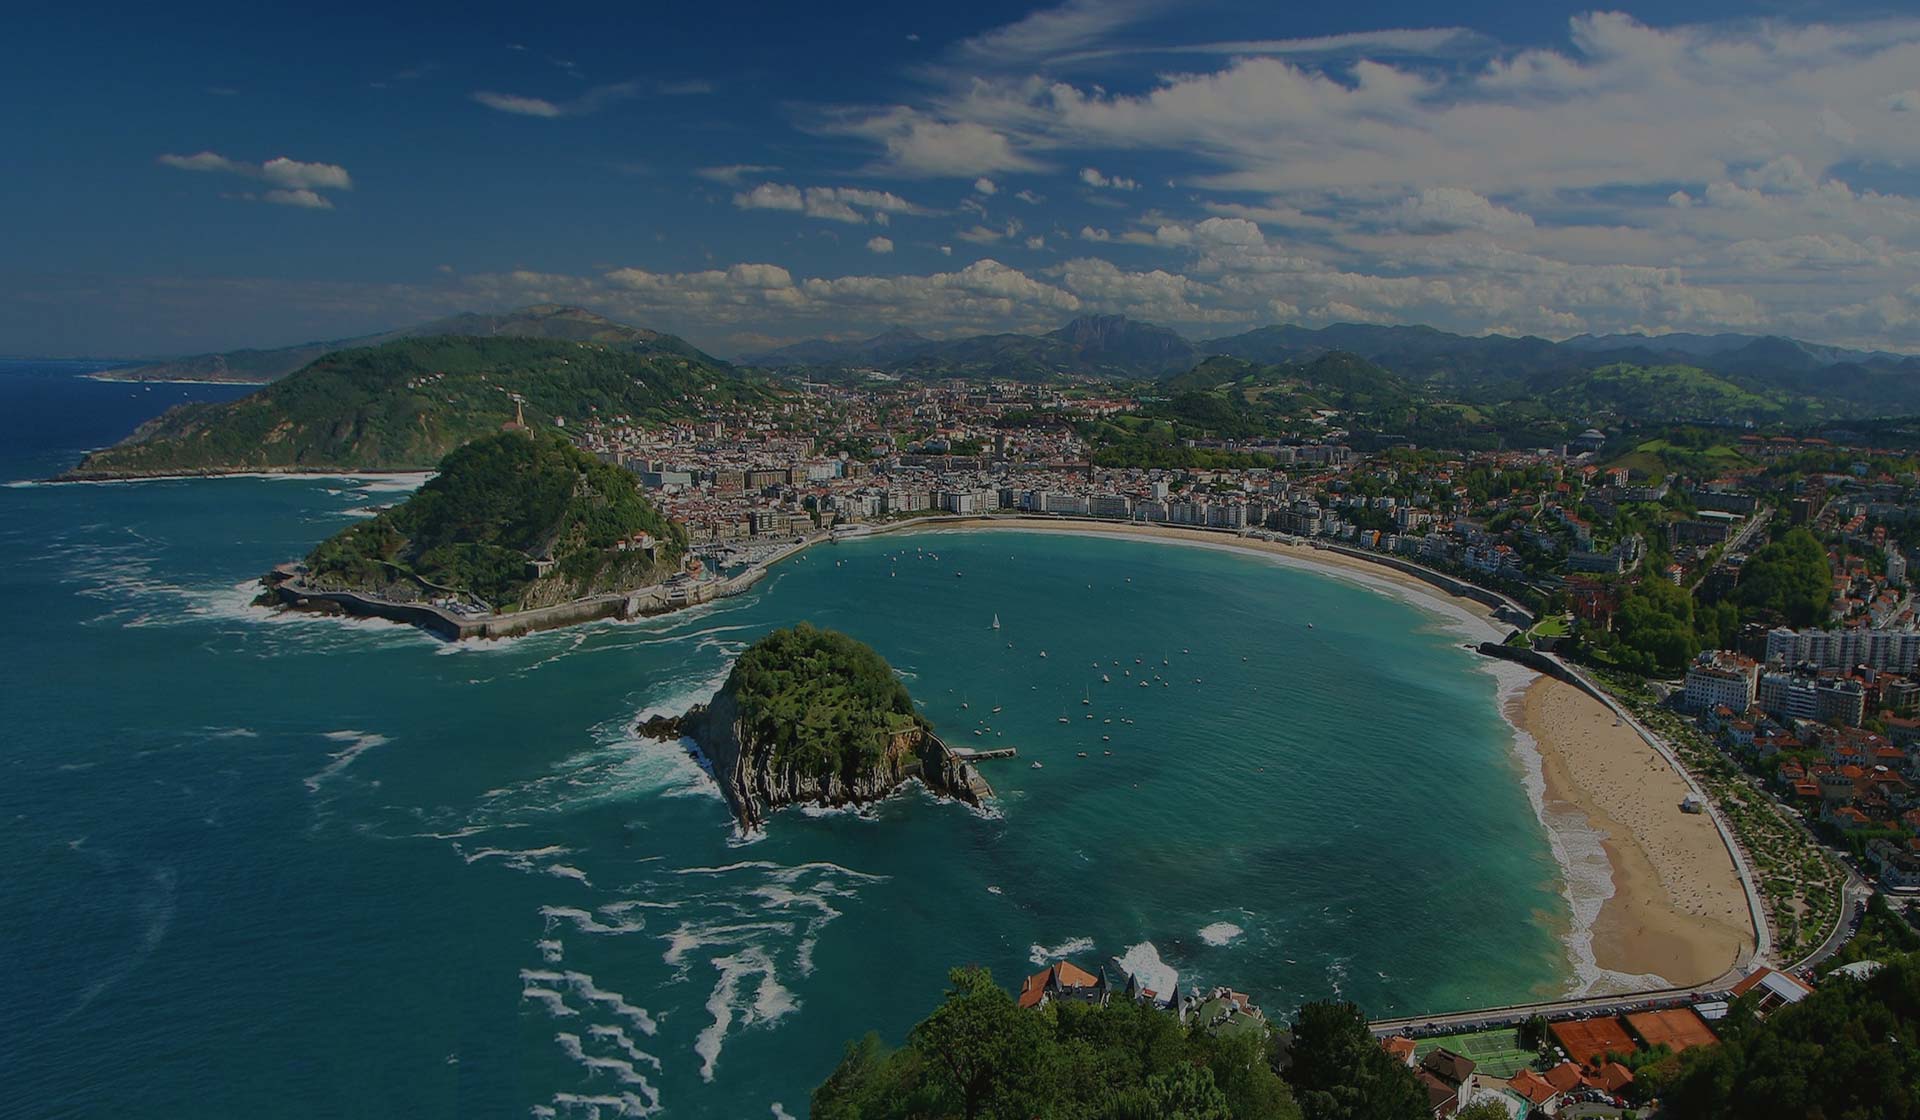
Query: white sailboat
(996, 622)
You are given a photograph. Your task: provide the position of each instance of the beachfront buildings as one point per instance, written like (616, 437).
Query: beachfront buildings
(1896, 651)
(1721, 677)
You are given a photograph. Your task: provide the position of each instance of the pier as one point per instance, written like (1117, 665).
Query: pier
(967, 755)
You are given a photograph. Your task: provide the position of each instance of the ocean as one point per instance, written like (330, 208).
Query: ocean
(294, 866)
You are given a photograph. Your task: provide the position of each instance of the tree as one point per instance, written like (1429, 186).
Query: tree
(1339, 1071)
(1483, 1110)
(1656, 627)
(1789, 577)
(977, 1044)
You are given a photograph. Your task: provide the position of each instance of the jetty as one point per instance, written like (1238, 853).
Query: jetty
(967, 755)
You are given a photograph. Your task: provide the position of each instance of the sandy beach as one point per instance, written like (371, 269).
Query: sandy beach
(1677, 910)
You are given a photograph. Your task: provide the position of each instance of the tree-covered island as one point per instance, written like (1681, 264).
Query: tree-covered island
(812, 716)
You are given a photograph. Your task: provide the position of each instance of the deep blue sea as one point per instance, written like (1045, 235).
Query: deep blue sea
(299, 867)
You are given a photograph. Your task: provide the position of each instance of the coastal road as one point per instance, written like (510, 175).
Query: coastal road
(1491, 1017)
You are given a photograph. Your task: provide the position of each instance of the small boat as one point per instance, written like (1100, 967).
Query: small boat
(1309, 625)
(1081, 754)
(1088, 698)
(963, 705)
(1089, 715)
(1109, 719)
(1143, 684)
(1186, 651)
(1043, 653)
(996, 622)
(1106, 738)
(977, 731)
(1109, 754)
(1063, 719)
(959, 575)
(1127, 672)
(996, 709)
(1036, 765)
(1105, 679)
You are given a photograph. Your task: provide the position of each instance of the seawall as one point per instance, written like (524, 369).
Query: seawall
(645, 602)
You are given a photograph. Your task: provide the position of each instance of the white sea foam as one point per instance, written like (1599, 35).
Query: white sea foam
(155, 908)
(551, 951)
(556, 1003)
(620, 1038)
(1042, 955)
(568, 871)
(583, 986)
(780, 1113)
(1220, 933)
(620, 1068)
(589, 1105)
(585, 922)
(1143, 963)
(522, 857)
(358, 743)
(770, 1002)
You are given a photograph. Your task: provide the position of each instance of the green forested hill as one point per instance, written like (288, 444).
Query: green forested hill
(822, 702)
(403, 405)
(497, 504)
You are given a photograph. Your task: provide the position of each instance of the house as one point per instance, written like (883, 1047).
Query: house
(1400, 1048)
(1448, 1079)
(1775, 990)
(1063, 980)
(1540, 1094)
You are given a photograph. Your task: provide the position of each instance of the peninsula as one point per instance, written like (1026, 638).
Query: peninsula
(814, 717)
(516, 526)
(403, 405)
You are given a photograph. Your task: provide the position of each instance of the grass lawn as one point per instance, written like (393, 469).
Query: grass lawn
(1553, 626)
(1495, 1053)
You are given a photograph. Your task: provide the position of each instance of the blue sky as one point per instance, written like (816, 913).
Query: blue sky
(747, 175)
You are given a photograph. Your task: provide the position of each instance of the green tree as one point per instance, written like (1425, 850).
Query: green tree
(1789, 577)
(979, 1045)
(1339, 1071)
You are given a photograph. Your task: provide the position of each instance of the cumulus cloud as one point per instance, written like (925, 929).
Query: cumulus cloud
(1451, 209)
(924, 146)
(853, 205)
(1092, 177)
(984, 185)
(879, 245)
(292, 182)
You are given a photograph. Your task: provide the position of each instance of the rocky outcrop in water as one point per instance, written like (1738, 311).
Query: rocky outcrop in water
(755, 784)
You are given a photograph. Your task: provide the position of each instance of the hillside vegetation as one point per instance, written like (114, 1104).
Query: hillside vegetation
(820, 701)
(403, 405)
(547, 320)
(498, 504)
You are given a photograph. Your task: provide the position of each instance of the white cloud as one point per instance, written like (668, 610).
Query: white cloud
(293, 182)
(1451, 209)
(733, 173)
(596, 98)
(984, 185)
(300, 197)
(1030, 198)
(1088, 233)
(1092, 177)
(520, 106)
(1036, 242)
(879, 245)
(853, 205)
(923, 146)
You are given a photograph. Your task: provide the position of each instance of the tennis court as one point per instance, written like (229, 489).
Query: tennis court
(1496, 1053)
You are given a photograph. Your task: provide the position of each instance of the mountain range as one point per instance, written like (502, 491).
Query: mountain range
(546, 321)
(1754, 376)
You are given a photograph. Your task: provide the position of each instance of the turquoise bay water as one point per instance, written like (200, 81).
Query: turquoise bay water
(299, 867)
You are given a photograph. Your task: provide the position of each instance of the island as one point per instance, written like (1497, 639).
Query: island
(518, 531)
(814, 717)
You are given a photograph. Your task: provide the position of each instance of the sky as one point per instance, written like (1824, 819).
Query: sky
(747, 175)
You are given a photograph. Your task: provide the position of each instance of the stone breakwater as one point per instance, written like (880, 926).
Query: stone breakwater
(289, 592)
(754, 787)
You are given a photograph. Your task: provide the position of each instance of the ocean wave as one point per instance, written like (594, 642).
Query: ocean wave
(1043, 955)
(588, 1106)
(769, 1003)
(585, 922)
(1220, 933)
(358, 743)
(1143, 963)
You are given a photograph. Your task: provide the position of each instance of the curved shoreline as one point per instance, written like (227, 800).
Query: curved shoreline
(1660, 916)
